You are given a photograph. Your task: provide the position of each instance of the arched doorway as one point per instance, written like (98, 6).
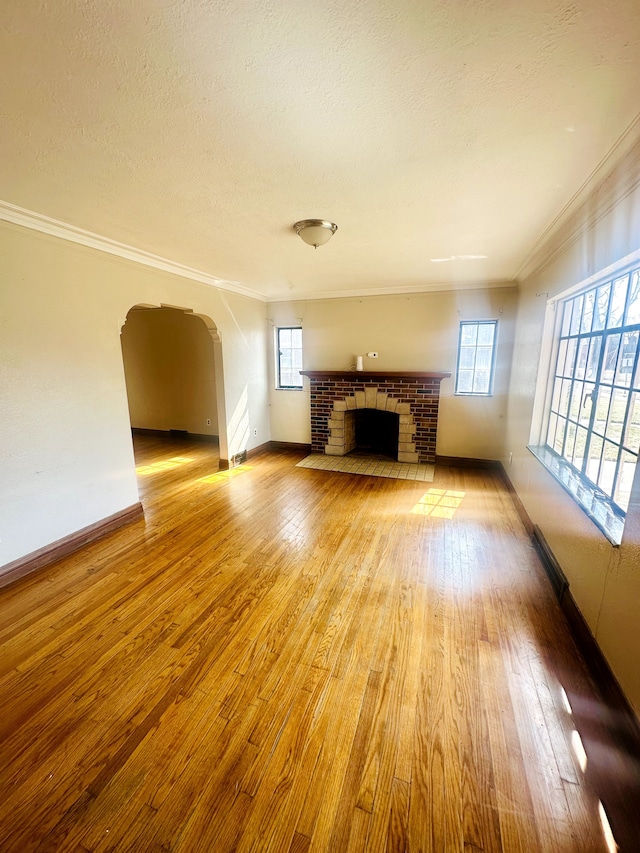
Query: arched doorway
(172, 361)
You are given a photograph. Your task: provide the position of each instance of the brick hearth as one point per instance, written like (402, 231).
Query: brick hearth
(414, 397)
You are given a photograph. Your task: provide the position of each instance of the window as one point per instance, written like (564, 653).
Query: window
(592, 433)
(289, 357)
(476, 357)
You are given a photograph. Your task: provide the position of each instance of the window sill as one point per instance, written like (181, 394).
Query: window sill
(591, 501)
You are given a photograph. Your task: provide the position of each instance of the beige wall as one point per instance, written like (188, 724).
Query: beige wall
(66, 459)
(410, 332)
(605, 581)
(169, 371)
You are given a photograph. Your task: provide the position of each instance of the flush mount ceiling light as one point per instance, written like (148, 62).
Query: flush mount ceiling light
(315, 232)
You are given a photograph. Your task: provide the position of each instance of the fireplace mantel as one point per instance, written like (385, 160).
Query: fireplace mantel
(373, 374)
(412, 395)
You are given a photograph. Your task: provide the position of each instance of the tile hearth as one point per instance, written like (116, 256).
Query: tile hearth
(369, 466)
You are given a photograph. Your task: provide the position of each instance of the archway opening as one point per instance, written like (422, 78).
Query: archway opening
(173, 372)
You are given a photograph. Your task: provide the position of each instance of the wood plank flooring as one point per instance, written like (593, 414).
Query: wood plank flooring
(297, 661)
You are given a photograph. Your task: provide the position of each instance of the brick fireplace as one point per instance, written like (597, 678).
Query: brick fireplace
(413, 397)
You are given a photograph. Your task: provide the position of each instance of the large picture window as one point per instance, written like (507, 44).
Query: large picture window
(289, 357)
(594, 408)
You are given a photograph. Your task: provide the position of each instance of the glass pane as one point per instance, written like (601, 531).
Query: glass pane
(296, 338)
(467, 358)
(594, 357)
(610, 360)
(576, 315)
(297, 358)
(485, 334)
(285, 359)
(587, 311)
(608, 467)
(551, 429)
(617, 412)
(566, 318)
(581, 360)
(593, 459)
(562, 357)
(481, 382)
(625, 479)
(286, 377)
(627, 358)
(636, 379)
(483, 358)
(602, 409)
(563, 409)
(618, 297)
(468, 334)
(285, 338)
(601, 306)
(632, 429)
(572, 348)
(580, 447)
(570, 441)
(576, 400)
(564, 397)
(555, 400)
(586, 405)
(559, 439)
(633, 308)
(465, 381)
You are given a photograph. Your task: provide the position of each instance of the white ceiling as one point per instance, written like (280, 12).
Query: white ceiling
(201, 130)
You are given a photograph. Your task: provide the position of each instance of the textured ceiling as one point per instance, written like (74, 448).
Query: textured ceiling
(200, 131)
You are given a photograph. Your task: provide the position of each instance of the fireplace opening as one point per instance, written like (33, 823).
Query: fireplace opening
(376, 432)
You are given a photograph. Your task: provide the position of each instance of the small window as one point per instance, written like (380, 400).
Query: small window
(476, 358)
(289, 357)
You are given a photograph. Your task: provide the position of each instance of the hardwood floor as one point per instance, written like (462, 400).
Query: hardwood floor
(289, 660)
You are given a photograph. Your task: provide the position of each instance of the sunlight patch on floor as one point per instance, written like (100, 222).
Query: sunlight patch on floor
(565, 700)
(579, 750)
(441, 503)
(167, 465)
(224, 476)
(612, 847)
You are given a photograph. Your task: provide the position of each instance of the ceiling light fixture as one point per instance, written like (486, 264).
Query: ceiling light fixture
(315, 232)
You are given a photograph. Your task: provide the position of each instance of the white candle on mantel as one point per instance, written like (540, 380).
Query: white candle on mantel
(359, 365)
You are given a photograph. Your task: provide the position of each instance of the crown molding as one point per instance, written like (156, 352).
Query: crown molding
(621, 162)
(436, 287)
(617, 268)
(55, 228)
